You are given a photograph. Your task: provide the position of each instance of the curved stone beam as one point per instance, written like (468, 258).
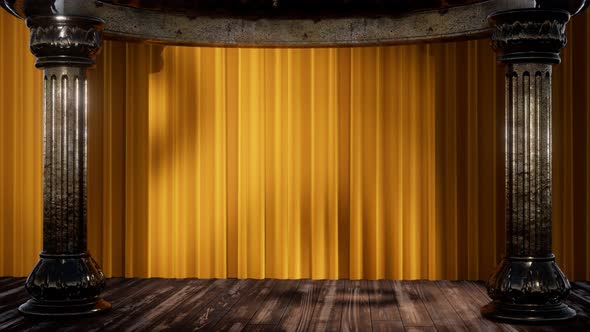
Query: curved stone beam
(461, 22)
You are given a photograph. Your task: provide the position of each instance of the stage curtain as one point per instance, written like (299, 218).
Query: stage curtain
(381, 162)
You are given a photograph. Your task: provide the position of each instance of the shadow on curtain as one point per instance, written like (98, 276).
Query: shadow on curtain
(293, 163)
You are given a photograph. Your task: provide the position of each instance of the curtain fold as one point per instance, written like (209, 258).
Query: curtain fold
(380, 162)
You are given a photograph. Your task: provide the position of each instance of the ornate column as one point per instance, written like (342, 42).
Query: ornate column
(528, 286)
(66, 281)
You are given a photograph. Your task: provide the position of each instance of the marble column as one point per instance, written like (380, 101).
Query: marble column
(528, 286)
(66, 281)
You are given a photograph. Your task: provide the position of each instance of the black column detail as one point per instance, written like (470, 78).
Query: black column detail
(66, 281)
(528, 286)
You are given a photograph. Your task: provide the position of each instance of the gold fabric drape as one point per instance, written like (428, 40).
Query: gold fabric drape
(382, 162)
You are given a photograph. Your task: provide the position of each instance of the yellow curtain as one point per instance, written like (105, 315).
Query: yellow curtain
(383, 162)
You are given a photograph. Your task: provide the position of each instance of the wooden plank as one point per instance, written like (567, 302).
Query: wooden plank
(226, 304)
(356, 315)
(8, 315)
(124, 291)
(273, 308)
(388, 325)
(421, 329)
(579, 300)
(11, 290)
(240, 314)
(478, 293)
(32, 324)
(384, 305)
(136, 304)
(298, 315)
(12, 324)
(12, 295)
(442, 313)
(197, 301)
(412, 311)
(124, 298)
(327, 315)
(116, 284)
(260, 328)
(11, 298)
(582, 285)
(581, 293)
(207, 316)
(199, 298)
(11, 283)
(153, 316)
(480, 286)
(465, 307)
(580, 296)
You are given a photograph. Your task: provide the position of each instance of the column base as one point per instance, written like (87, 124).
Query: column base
(66, 309)
(528, 290)
(65, 286)
(515, 313)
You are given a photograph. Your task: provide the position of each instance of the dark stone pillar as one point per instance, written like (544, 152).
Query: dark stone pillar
(528, 286)
(66, 281)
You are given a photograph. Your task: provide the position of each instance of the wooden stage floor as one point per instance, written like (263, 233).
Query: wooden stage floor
(285, 305)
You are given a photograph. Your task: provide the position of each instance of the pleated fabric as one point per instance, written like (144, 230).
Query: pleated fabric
(380, 162)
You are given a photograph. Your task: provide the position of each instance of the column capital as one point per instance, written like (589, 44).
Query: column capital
(65, 40)
(529, 35)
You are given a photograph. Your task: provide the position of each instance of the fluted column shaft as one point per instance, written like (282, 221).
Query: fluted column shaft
(64, 177)
(528, 286)
(66, 281)
(528, 160)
